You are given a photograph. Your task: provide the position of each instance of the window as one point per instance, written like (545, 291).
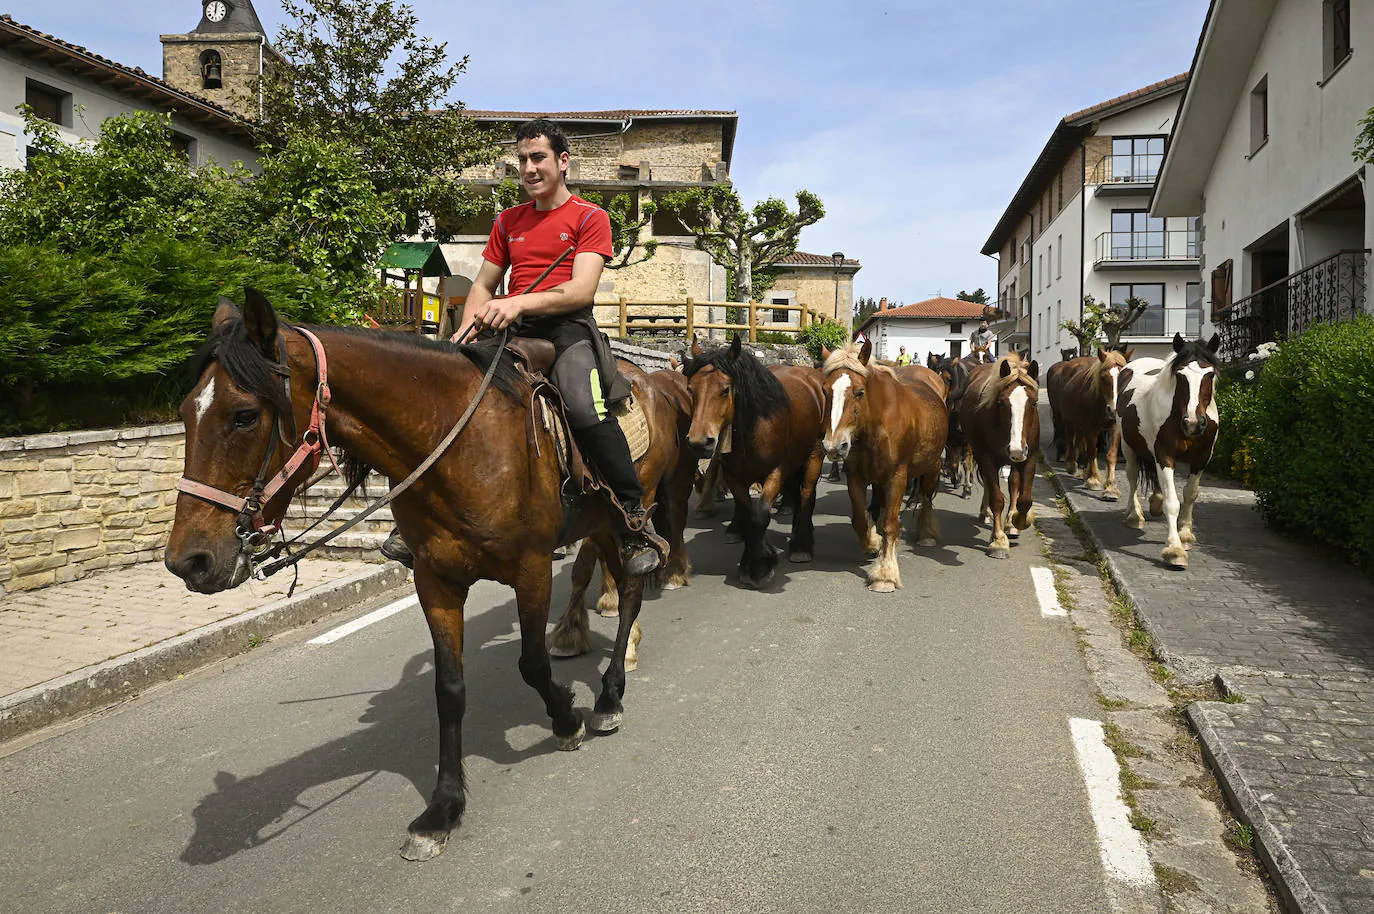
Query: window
(1049, 256)
(1151, 323)
(1194, 236)
(1136, 235)
(1259, 115)
(1136, 159)
(956, 349)
(956, 327)
(211, 70)
(1039, 271)
(1059, 265)
(1013, 249)
(184, 145)
(48, 103)
(1335, 34)
(1194, 314)
(780, 316)
(628, 172)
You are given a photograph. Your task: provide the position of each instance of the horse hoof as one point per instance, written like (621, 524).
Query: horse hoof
(422, 847)
(608, 613)
(1093, 484)
(1136, 523)
(572, 742)
(799, 557)
(631, 664)
(998, 552)
(1111, 495)
(732, 537)
(882, 587)
(1013, 533)
(928, 541)
(1178, 558)
(607, 723)
(563, 650)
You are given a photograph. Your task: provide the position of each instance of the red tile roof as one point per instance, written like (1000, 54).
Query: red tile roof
(613, 115)
(934, 307)
(802, 259)
(1142, 92)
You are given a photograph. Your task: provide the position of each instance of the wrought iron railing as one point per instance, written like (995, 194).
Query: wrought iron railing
(1126, 168)
(1329, 291)
(1176, 244)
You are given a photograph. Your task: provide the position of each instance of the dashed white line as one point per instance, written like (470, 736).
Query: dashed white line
(1122, 849)
(1045, 592)
(362, 622)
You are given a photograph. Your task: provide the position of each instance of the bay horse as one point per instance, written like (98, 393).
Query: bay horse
(1082, 394)
(1168, 416)
(1002, 422)
(491, 508)
(958, 456)
(771, 420)
(889, 428)
(667, 472)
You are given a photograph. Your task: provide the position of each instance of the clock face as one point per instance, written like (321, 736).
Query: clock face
(216, 10)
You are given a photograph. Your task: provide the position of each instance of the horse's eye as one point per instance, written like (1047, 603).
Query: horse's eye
(725, 391)
(246, 418)
(858, 395)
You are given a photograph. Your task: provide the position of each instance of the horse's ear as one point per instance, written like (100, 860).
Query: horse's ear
(1005, 369)
(866, 353)
(1101, 354)
(224, 311)
(1130, 353)
(1178, 342)
(1214, 343)
(260, 321)
(825, 352)
(697, 351)
(736, 346)
(673, 363)
(1034, 370)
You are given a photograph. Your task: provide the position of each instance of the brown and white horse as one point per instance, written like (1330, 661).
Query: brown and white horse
(1002, 423)
(1168, 416)
(889, 427)
(1082, 395)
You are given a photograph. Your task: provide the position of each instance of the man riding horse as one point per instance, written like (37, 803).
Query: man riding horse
(527, 238)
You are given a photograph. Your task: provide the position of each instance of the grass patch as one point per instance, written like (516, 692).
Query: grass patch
(1240, 836)
(255, 640)
(1112, 704)
(1174, 882)
(1233, 698)
(1118, 743)
(1142, 823)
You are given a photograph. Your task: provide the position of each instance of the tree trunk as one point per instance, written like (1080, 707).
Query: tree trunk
(744, 274)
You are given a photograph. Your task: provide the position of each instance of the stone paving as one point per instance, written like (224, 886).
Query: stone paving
(62, 628)
(1290, 632)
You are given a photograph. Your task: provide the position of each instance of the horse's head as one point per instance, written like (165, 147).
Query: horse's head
(1015, 388)
(1107, 376)
(713, 397)
(1194, 368)
(233, 416)
(846, 378)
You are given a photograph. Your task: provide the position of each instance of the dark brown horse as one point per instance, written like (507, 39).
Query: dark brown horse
(667, 472)
(958, 456)
(889, 428)
(1000, 419)
(1082, 394)
(491, 508)
(767, 426)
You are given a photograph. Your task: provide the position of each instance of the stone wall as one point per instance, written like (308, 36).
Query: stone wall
(675, 151)
(75, 502)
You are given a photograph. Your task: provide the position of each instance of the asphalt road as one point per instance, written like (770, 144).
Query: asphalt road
(816, 748)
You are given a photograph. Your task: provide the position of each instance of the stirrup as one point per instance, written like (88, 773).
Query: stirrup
(396, 549)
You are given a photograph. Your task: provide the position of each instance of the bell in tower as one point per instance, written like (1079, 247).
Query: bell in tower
(222, 57)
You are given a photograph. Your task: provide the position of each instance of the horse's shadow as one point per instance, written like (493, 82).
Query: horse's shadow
(400, 736)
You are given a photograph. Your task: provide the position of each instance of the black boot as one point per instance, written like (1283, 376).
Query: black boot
(396, 549)
(641, 549)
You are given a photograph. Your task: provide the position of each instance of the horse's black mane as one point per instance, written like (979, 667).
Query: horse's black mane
(1194, 351)
(758, 393)
(230, 345)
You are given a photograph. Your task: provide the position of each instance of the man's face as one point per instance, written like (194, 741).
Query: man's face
(541, 170)
(983, 325)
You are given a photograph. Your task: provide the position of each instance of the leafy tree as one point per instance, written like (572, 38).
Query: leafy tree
(864, 308)
(1364, 140)
(411, 141)
(626, 227)
(748, 243)
(830, 334)
(1103, 320)
(977, 296)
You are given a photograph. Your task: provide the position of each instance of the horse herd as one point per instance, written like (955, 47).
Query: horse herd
(496, 505)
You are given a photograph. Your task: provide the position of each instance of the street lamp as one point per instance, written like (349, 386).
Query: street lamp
(838, 258)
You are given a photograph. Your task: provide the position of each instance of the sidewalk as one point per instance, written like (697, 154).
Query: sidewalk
(1291, 633)
(70, 648)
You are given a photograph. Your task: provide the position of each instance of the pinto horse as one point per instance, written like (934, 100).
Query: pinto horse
(667, 471)
(889, 427)
(1000, 418)
(1168, 416)
(1082, 395)
(491, 508)
(771, 419)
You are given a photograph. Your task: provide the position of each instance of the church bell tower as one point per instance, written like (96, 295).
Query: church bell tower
(221, 56)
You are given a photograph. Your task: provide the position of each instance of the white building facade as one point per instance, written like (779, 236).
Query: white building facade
(1079, 225)
(1263, 150)
(939, 325)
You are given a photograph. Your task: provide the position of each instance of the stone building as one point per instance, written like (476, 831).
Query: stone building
(77, 90)
(221, 57)
(817, 282)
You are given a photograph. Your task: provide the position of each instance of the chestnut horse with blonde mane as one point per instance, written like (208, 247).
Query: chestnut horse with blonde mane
(1082, 395)
(889, 428)
(1002, 423)
(492, 508)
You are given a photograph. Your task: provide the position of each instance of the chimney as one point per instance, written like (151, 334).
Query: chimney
(882, 304)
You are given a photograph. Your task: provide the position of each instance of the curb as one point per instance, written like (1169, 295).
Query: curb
(1269, 844)
(103, 684)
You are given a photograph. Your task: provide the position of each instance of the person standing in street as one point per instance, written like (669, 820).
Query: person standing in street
(902, 357)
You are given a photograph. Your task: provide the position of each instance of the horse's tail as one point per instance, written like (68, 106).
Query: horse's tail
(1149, 472)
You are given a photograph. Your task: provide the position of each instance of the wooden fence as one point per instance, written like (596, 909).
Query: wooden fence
(637, 314)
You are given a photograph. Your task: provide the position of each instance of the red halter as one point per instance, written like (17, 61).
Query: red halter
(255, 525)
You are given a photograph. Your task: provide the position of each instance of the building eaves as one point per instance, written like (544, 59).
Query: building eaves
(802, 259)
(930, 309)
(133, 81)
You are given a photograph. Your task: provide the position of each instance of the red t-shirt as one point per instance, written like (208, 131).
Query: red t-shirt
(528, 240)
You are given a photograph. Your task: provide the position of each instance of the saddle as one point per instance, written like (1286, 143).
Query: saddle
(534, 358)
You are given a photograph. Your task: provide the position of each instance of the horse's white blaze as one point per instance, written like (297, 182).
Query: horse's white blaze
(1116, 377)
(204, 399)
(1018, 417)
(837, 395)
(1194, 374)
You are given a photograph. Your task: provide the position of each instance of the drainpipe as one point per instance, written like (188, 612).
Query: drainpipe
(1083, 228)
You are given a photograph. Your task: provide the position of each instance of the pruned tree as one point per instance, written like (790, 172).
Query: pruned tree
(747, 242)
(626, 228)
(1104, 321)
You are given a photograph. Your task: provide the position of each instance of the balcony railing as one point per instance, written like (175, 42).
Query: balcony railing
(1126, 169)
(1165, 322)
(1129, 247)
(1329, 291)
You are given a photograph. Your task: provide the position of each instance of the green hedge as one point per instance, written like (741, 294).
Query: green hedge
(1234, 454)
(100, 339)
(1312, 438)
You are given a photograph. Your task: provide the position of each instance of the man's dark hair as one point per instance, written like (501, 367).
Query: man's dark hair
(542, 126)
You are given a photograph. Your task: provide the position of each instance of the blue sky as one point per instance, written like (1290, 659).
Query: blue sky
(913, 120)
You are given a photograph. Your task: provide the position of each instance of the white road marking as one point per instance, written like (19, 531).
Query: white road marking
(204, 398)
(377, 615)
(1122, 849)
(1045, 592)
